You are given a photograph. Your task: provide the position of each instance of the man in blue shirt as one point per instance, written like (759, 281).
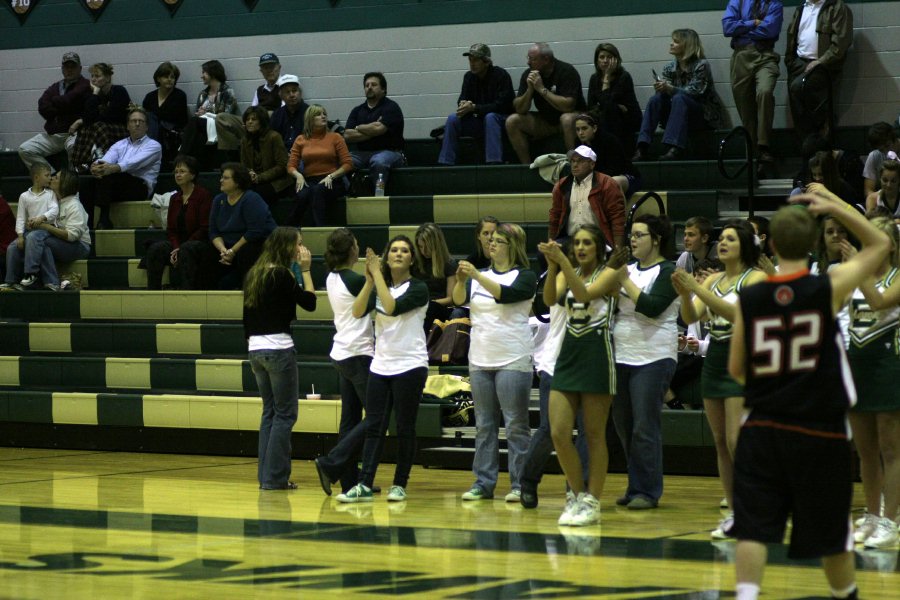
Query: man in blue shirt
(484, 103)
(128, 170)
(376, 129)
(753, 26)
(288, 118)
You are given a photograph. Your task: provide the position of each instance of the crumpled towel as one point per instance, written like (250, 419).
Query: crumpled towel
(549, 166)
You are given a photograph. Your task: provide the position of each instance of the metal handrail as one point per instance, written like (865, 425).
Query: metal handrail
(829, 98)
(746, 166)
(637, 204)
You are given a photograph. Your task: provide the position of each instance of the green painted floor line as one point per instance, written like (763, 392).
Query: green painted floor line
(571, 542)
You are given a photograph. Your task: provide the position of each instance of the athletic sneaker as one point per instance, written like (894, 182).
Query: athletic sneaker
(885, 535)
(571, 507)
(865, 527)
(51, 286)
(723, 503)
(396, 494)
(722, 532)
(6, 287)
(476, 493)
(513, 496)
(358, 493)
(587, 512)
(28, 282)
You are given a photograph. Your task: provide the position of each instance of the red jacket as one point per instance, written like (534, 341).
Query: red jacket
(196, 218)
(61, 110)
(607, 203)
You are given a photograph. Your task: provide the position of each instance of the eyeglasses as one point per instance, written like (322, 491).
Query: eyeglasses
(636, 235)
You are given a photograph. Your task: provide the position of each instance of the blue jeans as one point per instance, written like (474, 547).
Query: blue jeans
(341, 461)
(315, 195)
(43, 249)
(276, 378)
(401, 393)
(380, 162)
(490, 127)
(637, 415)
(496, 391)
(678, 115)
(541, 445)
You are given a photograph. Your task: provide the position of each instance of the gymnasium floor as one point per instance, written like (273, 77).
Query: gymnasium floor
(101, 525)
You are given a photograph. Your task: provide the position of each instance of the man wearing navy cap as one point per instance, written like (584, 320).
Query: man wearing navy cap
(267, 94)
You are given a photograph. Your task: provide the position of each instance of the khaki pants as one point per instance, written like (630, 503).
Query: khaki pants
(753, 77)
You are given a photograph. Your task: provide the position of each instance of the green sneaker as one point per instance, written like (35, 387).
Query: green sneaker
(476, 493)
(358, 493)
(396, 494)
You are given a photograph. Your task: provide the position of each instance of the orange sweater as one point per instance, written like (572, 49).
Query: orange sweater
(321, 155)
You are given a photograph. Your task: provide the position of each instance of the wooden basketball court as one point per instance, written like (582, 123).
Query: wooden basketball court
(115, 525)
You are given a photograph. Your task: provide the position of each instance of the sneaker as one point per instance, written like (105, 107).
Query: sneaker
(358, 493)
(528, 496)
(513, 496)
(641, 503)
(569, 511)
(51, 286)
(723, 503)
(586, 513)
(885, 535)
(723, 531)
(865, 527)
(6, 287)
(396, 494)
(28, 281)
(623, 501)
(476, 493)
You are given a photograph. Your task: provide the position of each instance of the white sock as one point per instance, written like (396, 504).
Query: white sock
(746, 591)
(844, 593)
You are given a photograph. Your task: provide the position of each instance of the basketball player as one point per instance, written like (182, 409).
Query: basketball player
(793, 453)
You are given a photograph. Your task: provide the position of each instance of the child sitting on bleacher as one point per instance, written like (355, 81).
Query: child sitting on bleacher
(36, 205)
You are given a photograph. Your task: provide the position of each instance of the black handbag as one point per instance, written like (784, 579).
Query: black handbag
(448, 342)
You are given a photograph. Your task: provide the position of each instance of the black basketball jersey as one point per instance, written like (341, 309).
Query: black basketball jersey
(796, 367)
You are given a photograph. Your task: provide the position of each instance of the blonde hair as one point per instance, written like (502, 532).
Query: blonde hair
(693, 47)
(889, 227)
(433, 238)
(311, 113)
(515, 235)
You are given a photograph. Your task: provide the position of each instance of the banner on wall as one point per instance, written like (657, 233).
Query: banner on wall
(21, 8)
(173, 5)
(95, 7)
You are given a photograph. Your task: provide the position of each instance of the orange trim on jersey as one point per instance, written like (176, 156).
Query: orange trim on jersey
(788, 277)
(797, 429)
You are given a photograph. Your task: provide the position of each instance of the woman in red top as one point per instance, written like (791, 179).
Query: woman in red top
(186, 248)
(325, 162)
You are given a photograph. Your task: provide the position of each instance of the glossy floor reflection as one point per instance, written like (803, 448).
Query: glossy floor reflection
(110, 525)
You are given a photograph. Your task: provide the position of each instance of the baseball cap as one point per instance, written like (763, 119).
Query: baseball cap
(71, 57)
(268, 58)
(479, 51)
(584, 152)
(286, 79)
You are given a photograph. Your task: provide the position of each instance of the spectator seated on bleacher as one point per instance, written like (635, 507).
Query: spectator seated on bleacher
(103, 122)
(699, 244)
(266, 95)
(7, 232)
(61, 105)
(883, 139)
(36, 205)
(611, 98)
(239, 224)
(481, 256)
(167, 111)
(216, 121)
(186, 250)
(375, 127)
(481, 110)
(555, 88)
(889, 194)
(65, 238)
(289, 118)
(263, 152)
(319, 162)
(437, 269)
(823, 169)
(685, 99)
(127, 172)
(612, 159)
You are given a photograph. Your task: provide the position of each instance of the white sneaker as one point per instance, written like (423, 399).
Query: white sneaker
(396, 494)
(865, 527)
(885, 535)
(722, 531)
(587, 512)
(514, 496)
(571, 506)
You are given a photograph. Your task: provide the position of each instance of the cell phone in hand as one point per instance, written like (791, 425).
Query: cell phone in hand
(655, 76)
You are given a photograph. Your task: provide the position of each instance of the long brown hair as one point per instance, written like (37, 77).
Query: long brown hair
(278, 251)
(433, 238)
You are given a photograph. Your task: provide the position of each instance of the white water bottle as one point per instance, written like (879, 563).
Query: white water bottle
(379, 185)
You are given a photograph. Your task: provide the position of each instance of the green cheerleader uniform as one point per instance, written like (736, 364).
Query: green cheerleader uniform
(715, 382)
(873, 353)
(586, 362)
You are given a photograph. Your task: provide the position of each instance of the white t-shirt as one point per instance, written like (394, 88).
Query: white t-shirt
(807, 36)
(500, 331)
(400, 338)
(641, 339)
(547, 352)
(354, 337)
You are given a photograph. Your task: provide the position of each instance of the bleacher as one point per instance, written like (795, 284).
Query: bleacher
(117, 366)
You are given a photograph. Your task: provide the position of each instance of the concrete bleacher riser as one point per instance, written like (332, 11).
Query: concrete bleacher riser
(424, 66)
